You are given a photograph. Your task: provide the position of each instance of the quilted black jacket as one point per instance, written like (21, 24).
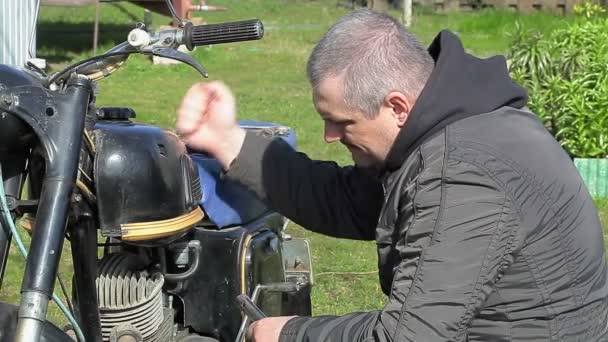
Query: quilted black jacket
(485, 230)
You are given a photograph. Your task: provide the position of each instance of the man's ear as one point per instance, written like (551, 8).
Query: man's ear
(399, 105)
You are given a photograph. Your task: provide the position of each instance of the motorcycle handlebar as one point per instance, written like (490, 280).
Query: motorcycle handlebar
(222, 33)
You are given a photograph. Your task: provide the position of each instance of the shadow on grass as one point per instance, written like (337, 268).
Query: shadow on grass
(57, 42)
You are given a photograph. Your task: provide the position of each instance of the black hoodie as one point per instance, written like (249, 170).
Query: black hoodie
(346, 201)
(461, 85)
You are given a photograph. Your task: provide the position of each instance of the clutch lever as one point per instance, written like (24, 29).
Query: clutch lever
(180, 56)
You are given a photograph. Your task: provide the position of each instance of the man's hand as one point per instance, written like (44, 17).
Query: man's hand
(267, 329)
(206, 121)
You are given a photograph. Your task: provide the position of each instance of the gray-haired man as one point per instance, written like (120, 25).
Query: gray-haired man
(485, 231)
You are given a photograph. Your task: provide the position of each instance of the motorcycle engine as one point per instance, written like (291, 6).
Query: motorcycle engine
(131, 301)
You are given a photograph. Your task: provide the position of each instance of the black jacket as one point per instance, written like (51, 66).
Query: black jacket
(485, 230)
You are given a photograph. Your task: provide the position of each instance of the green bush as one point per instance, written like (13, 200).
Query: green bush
(566, 75)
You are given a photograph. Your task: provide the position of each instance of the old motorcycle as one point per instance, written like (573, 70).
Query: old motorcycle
(163, 249)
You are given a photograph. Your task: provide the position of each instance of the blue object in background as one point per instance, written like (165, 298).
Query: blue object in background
(227, 203)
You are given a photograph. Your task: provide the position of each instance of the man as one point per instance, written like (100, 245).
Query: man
(485, 230)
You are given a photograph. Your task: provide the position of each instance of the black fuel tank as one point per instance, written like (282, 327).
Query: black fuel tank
(143, 175)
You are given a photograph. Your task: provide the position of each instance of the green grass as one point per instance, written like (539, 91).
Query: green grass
(268, 78)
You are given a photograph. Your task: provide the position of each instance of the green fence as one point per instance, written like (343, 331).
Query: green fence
(595, 175)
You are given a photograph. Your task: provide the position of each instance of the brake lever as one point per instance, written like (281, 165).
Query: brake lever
(180, 56)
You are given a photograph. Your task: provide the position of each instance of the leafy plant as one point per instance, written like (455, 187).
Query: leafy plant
(566, 74)
(589, 9)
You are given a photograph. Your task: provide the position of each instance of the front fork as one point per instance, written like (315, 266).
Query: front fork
(43, 258)
(58, 120)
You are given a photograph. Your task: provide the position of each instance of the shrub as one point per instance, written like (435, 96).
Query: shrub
(566, 75)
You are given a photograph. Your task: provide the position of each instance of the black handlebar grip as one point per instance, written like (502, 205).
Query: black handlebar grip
(223, 33)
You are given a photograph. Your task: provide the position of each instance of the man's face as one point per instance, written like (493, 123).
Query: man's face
(368, 140)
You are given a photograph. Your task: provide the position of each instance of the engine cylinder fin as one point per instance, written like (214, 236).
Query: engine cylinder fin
(129, 295)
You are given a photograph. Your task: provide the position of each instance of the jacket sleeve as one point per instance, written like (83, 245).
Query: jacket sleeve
(457, 234)
(321, 196)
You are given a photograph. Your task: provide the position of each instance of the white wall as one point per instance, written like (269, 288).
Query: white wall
(17, 19)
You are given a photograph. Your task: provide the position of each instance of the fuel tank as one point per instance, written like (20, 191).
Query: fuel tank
(147, 186)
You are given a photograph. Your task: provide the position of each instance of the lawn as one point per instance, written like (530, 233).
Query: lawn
(268, 78)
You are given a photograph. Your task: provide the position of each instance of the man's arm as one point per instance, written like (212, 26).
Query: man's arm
(320, 196)
(459, 239)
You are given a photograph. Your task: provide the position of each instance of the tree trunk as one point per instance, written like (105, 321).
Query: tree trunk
(407, 13)
(378, 5)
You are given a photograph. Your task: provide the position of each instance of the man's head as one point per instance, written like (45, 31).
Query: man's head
(366, 73)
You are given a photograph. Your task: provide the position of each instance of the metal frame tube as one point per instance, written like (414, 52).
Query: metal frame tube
(84, 256)
(13, 166)
(5, 244)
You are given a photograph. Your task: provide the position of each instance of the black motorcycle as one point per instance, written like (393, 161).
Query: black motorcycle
(163, 249)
